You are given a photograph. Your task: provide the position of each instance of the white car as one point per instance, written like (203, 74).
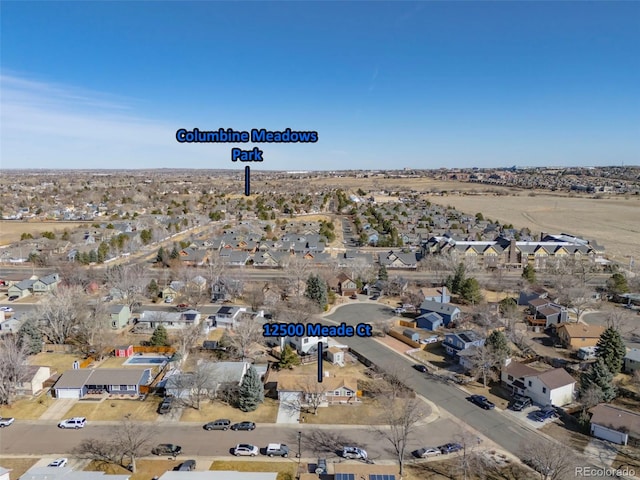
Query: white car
(58, 462)
(6, 309)
(400, 310)
(354, 453)
(168, 300)
(433, 339)
(75, 422)
(5, 422)
(245, 450)
(426, 452)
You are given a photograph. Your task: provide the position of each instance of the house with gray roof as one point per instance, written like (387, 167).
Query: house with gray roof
(217, 475)
(66, 473)
(46, 284)
(396, 259)
(77, 383)
(447, 311)
(21, 289)
(150, 319)
(632, 360)
(119, 316)
(456, 342)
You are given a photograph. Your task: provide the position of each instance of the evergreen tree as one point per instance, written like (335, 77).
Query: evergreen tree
(317, 290)
(497, 343)
(174, 252)
(617, 284)
(161, 256)
(288, 358)
(470, 291)
(30, 336)
(507, 305)
(529, 274)
(93, 256)
(251, 392)
(382, 273)
(611, 350)
(159, 337)
(103, 251)
(455, 283)
(598, 379)
(152, 288)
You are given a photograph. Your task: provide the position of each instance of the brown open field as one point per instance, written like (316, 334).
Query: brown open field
(613, 222)
(17, 465)
(10, 230)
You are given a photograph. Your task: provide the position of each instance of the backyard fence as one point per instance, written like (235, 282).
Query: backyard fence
(142, 349)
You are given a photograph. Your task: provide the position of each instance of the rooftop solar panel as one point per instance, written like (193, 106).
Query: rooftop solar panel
(345, 476)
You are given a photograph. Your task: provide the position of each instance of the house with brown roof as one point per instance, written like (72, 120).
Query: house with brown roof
(343, 285)
(578, 335)
(545, 387)
(614, 424)
(333, 390)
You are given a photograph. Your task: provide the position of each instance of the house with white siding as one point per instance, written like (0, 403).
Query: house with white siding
(550, 387)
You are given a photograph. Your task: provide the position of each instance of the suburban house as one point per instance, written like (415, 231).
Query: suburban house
(306, 345)
(4, 473)
(119, 316)
(631, 361)
(11, 324)
(532, 293)
(77, 383)
(550, 387)
(578, 335)
(614, 424)
(66, 473)
(227, 317)
(333, 390)
(150, 319)
(454, 343)
(46, 284)
(21, 289)
(343, 285)
(440, 294)
(394, 259)
(209, 378)
(429, 321)
(33, 379)
(546, 313)
(214, 475)
(448, 312)
(350, 471)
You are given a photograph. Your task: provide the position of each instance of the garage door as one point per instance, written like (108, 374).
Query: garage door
(609, 435)
(67, 393)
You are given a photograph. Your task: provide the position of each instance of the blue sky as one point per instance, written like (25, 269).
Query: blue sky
(385, 84)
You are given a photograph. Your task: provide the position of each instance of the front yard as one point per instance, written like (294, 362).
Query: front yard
(286, 470)
(17, 466)
(368, 412)
(145, 469)
(27, 408)
(436, 355)
(494, 392)
(116, 409)
(267, 412)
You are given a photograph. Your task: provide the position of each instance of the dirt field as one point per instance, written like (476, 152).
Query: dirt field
(613, 222)
(10, 230)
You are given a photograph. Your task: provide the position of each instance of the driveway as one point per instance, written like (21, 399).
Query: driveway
(58, 409)
(289, 408)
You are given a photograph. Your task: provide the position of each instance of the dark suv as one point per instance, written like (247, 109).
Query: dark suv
(220, 424)
(243, 426)
(520, 403)
(482, 401)
(165, 406)
(187, 466)
(167, 449)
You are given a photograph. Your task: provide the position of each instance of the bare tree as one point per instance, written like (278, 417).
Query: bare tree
(194, 386)
(469, 462)
(186, 338)
(13, 367)
(297, 271)
(400, 418)
(60, 313)
(578, 297)
(484, 363)
(129, 282)
(254, 295)
(243, 336)
(313, 393)
(92, 334)
(129, 440)
(548, 458)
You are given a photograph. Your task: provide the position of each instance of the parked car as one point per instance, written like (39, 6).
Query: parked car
(354, 453)
(374, 297)
(450, 448)
(243, 426)
(58, 462)
(187, 466)
(220, 424)
(544, 413)
(277, 449)
(13, 298)
(6, 309)
(420, 368)
(165, 406)
(75, 422)
(181, 307)
(426, 452)
(400, 310)
(482, 401)
(428, 340)
(167, 449)
(5, 422)
(245, 450)
(168, 300)
(520, 403)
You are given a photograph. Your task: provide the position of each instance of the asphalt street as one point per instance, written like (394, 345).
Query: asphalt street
(495, 425)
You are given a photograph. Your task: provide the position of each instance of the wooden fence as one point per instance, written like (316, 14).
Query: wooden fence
(141, 349)
(404, 339)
